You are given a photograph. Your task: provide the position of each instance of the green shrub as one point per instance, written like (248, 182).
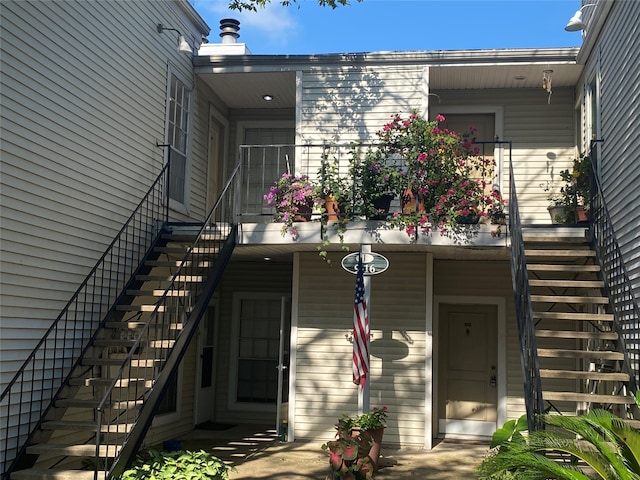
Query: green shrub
(178, 465)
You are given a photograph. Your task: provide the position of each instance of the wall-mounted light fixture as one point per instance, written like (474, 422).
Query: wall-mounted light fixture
(183, 46)
(575, 24)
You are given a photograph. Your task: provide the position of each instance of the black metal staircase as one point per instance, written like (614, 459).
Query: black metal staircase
(105, 364)
(577, 317)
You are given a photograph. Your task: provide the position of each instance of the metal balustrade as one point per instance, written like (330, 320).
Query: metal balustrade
(524, 312)
(616, 278)
(31, 390)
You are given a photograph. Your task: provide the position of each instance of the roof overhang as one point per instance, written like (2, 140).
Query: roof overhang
(241, 80)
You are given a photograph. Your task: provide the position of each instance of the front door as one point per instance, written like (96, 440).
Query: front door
(467, 370)
(207, 358)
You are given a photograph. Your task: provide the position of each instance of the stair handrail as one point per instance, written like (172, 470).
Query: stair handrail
(221, 217)
(617, 285)
(524, 312)
(58, 354)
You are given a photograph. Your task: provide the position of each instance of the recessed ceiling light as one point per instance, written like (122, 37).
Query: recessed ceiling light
(267, 98)
(519, 77)
(266, 259)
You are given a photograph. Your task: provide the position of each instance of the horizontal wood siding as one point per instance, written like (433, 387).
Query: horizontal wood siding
(543, 136)
(323, 380)
(84, 89)
(483, 279)
(81, 115)
(618, 53)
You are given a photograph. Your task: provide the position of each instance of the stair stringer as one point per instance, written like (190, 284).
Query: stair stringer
(156, 393)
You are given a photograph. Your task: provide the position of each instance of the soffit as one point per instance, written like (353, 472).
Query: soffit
(246, 89)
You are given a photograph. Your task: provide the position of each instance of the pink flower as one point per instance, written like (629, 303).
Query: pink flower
(440, 118)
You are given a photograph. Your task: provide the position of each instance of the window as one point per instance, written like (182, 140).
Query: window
(178, 124)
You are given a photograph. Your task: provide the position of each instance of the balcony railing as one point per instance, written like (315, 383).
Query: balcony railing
(262, 165)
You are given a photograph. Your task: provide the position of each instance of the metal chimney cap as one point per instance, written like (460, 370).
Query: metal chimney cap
(229, 27)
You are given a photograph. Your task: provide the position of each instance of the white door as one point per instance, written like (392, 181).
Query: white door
(206, 367)
(467, 370)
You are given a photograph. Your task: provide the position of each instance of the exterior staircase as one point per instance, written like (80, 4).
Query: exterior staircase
(581, 359)
(101, 413)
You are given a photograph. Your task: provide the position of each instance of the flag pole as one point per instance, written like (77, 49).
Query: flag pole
(364, 391)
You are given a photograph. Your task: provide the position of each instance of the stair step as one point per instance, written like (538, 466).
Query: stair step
(93, 404)
(582, 299)
(176, 263)
(587, 397)
(86, 426)
(114, 362)
(567, 283)
(43, 474)
(114, 342)
(554, 239)
(612, 376)
(174, 292)
(185, 237)
(571, 334)
(576, 316)
(592, 354)
(139, 308)
(105, 382)
(133, 325)
(574, 252)
(87, 450)
(562, 268)
(165, 278)
(183, 250)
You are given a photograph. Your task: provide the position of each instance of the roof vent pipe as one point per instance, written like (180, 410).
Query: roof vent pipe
(229, 27)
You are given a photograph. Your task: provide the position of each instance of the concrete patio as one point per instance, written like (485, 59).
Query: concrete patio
(258, 454)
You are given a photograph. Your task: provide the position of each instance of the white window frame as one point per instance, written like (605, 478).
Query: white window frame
(498, 113)
(173, 71)
(232, 402)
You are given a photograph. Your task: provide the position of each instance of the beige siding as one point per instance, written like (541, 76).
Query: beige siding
(81, 115)
(323, 378)
(617, 52)
(543, 137)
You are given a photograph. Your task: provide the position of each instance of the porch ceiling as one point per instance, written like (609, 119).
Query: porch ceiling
(241, 90)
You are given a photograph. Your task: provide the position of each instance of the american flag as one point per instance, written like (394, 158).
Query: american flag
(360, 330)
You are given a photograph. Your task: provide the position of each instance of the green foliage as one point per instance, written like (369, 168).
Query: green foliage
(604, 442)
(253, 5)
(179, 465)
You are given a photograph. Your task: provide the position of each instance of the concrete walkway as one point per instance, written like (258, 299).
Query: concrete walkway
(257, 454)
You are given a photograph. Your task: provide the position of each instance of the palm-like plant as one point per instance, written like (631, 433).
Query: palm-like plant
(604, 442)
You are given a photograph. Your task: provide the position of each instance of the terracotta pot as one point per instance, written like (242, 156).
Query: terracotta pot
(332, 208)
(411, 202)
(582, 215)
(304, 213)
(376, 445)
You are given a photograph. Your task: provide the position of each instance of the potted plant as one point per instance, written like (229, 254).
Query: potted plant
(445, 179)
(378, 179)
(371, 427)
(349, 452)
(336, 191)
(571, 203)
(293, 197)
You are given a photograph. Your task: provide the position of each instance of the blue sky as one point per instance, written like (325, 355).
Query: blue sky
(387, 25)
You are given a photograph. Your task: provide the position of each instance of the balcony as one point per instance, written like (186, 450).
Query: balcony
(261, 166)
